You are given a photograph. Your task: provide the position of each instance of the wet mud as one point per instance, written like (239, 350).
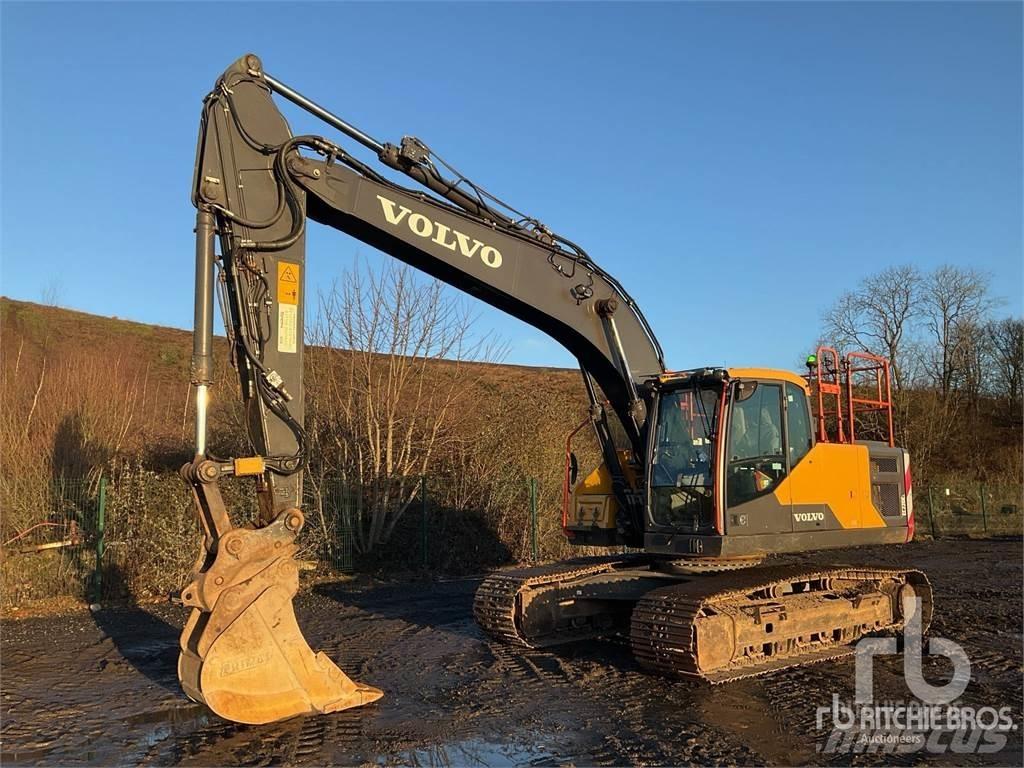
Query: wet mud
(101, 688)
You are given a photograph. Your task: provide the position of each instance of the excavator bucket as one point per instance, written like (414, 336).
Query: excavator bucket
(260, 669)
(242, 652)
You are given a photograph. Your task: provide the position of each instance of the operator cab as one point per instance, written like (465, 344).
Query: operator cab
(736, 435)
(738, 468)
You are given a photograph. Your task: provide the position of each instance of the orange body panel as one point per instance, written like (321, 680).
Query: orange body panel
(836, 476)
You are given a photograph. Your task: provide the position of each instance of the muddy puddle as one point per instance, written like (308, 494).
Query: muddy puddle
(477, 752)
(101, 689)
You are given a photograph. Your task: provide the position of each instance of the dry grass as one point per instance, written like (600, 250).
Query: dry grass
(85, 396)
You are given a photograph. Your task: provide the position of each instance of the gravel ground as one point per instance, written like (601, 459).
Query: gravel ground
(101, 688)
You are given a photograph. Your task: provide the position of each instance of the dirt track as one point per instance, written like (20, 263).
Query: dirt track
(101, 689)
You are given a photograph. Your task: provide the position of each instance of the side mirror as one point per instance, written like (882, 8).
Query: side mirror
(574, 469)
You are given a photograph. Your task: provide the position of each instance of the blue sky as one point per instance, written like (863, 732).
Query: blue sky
(736, 165)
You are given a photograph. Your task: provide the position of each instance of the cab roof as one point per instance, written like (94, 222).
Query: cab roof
(776, 374)
(768, 373)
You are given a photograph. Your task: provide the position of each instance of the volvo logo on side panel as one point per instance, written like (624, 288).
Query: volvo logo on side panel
(809, 517)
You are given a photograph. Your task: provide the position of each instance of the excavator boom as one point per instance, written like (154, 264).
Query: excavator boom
(255, 186)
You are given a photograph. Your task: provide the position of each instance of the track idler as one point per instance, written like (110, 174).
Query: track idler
(242, 652)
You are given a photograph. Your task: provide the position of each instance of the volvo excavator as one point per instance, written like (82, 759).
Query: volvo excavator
(705, 472)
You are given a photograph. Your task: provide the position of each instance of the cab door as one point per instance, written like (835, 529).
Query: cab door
(757, 499)
(827, 481)
(803, 474)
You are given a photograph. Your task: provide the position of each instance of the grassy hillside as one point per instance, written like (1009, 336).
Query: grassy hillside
(86, 396)
(125, 377)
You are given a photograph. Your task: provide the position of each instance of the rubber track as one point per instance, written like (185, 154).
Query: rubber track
(663, 631)
(496, 601)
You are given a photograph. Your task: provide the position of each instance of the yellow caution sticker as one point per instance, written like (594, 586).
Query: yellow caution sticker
(287, 306)
(287, 282)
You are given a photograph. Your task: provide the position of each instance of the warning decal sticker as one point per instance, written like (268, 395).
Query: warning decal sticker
(287, 306)
(287, 282)
(287, 327)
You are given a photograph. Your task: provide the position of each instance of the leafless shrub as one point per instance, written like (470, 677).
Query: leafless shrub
(382, 388)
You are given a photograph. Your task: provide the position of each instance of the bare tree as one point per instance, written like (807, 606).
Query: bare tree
(954, 368)
(956, 301)
(973, 353)
(383, 388)
(1006, 346)
(876, 315)
(52, 293)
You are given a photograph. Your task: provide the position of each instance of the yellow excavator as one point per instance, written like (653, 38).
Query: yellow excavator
(706, 472)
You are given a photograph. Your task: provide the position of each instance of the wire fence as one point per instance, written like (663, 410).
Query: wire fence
(974, 509)
(48, 533)
(136, 534)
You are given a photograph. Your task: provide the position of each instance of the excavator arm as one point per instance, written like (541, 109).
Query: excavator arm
(255, 186)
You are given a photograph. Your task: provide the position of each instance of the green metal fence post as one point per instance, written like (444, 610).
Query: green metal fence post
(423, 509)
(931, 511)
(984, 509)
(101, 544)
(347, 528)
(533, 518)
(359, 503)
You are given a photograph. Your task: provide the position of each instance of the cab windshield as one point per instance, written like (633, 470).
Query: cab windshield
(683, 459)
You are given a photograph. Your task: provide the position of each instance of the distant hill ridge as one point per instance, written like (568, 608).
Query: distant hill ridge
(31, 320)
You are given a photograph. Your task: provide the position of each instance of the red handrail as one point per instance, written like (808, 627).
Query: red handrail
(827, 382)
(830, 375)
(882, 401)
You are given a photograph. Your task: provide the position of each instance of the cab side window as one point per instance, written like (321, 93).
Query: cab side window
(799, 424)
(756, 462)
